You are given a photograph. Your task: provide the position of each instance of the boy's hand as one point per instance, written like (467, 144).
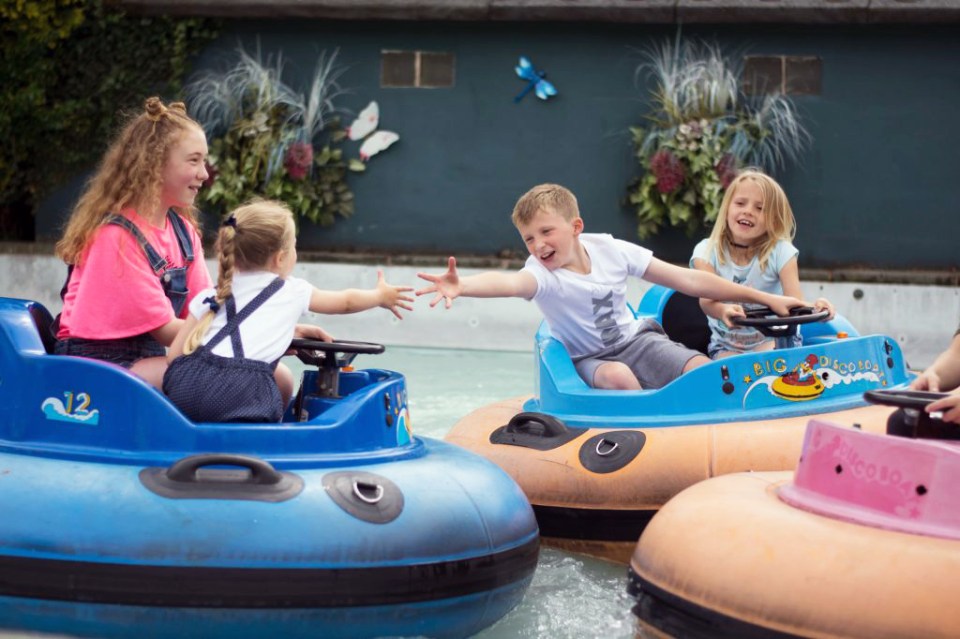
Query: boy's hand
(781, 304)
(823, 304)
(949, 406)
(731, 312)
(447, 286)
(391, 297)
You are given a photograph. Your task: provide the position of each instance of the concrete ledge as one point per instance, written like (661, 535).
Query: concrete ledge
(630, 11)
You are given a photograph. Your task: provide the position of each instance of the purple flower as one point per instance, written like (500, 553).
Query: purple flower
(669, 171)
(298, 160)
(726, 169)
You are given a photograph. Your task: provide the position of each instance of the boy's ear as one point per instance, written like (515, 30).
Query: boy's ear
(577, 225)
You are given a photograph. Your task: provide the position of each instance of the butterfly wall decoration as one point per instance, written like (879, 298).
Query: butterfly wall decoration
(365, 126)
(536, 81)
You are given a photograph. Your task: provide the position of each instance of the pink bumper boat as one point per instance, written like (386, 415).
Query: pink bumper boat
(862, 541)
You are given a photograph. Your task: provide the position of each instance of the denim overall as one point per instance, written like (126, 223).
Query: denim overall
(212, 388)
(125, 351)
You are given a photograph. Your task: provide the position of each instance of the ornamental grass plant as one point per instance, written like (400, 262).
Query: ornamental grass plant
(699, 130)
(268, 140)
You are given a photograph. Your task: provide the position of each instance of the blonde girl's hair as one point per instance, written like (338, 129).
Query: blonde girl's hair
(780, 223)
(248, 240)
(130, 174)
(558, 198)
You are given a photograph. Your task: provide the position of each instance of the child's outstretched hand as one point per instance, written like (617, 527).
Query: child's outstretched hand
(731, 312)
(447, 286)
(391, 297)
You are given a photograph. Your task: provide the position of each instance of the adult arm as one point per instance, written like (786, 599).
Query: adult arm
(944, 373)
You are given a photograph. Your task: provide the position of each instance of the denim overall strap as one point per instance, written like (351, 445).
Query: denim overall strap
(183, 237)
(234, 319)
(157, 263)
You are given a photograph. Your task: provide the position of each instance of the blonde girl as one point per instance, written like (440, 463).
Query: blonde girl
(751, 244)
(132, 245)
(223, 359)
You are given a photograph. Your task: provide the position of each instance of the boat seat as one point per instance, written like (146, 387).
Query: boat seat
(44, 321)
(684, 321)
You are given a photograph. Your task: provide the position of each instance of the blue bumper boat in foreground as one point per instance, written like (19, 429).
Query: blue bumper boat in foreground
(122, 517)
(597, 464)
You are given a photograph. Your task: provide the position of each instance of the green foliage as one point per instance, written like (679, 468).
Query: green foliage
(70, 67)
(267, 140)
(701, 129)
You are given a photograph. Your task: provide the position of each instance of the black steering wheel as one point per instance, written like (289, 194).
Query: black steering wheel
(329, 358)
(770, 324)
(917, 400)
(315, 352)
(912, 420)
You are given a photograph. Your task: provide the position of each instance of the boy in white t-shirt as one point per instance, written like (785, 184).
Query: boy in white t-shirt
(579, 282)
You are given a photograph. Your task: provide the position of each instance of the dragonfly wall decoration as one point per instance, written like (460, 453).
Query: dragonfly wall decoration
(536, 81)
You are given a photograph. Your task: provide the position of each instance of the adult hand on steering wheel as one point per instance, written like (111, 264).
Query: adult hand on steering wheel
(943, 406)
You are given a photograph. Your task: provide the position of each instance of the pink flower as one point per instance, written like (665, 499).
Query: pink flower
(298, 160)
(669, 171)
(726, 169)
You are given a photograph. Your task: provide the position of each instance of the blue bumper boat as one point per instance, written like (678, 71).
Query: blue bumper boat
(121, 516)
(598, 464)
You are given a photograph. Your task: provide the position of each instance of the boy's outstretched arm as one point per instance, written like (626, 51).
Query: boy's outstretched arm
(702, 284)
(449, 285)
(722, 311)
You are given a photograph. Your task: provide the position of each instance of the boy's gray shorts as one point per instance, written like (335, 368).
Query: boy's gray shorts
(653, 357)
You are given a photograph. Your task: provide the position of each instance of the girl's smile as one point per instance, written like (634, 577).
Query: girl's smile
(185, 170)
(746, 220)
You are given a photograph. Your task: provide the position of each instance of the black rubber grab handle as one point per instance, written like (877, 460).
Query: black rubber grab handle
(186, 469)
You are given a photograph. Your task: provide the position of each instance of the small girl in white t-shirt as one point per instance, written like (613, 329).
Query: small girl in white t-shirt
(751, 244)
(223, 359)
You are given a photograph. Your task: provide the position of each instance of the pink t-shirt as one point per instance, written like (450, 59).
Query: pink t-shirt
(113, 293)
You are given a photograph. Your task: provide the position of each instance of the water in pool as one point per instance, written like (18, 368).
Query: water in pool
(571, 595)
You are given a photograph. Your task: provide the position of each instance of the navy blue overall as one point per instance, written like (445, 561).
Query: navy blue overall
(210, 388)
(127, 350)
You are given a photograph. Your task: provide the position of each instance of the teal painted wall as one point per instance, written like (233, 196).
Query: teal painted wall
(878, 187)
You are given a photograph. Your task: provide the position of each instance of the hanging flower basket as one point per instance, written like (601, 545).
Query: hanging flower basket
(700, 129)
